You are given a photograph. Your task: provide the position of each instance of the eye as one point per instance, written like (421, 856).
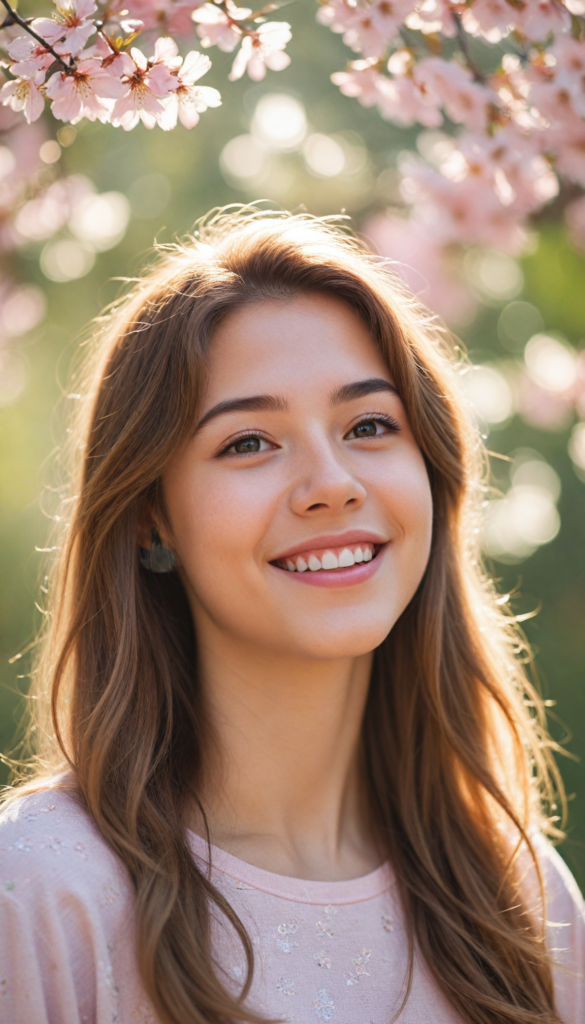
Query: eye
(248, 444)
(373, 426)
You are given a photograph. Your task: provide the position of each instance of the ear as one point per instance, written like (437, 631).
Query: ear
(147, 518)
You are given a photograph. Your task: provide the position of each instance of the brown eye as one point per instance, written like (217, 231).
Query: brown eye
(378, 426)
(247, 445)
(366, 429)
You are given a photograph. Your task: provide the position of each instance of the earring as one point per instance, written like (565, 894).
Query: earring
(159, 558)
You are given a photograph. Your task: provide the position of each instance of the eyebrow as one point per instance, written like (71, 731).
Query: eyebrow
(361, 389)
(275, 403)
(256, 403)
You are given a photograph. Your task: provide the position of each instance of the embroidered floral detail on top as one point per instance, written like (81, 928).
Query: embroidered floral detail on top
(387, 923)
(322, 959)
(109, 895)
(286, 944)
(55, 844)
(361, 962)
(24, 844)
(286, 987)
(106, 976)
(324, 1006)
(324, 927)
(43, 810)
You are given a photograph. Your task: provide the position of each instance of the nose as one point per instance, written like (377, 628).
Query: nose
(324, 483)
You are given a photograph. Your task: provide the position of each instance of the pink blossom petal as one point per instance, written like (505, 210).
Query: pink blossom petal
(168, 119)
(161, 81)
(165, 50)
(83, 8)
(241, 61)
(139, 58)
(194, 66)
(277, 61)
(188, 115)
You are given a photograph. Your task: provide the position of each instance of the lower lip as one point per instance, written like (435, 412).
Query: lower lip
(337, 577)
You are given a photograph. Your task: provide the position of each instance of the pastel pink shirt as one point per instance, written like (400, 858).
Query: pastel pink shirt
(324, 951)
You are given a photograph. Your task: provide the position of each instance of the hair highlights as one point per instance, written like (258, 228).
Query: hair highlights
(456, 758)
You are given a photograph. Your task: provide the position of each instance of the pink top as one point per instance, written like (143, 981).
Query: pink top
(325, 951)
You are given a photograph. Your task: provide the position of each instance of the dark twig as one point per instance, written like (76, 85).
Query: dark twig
(14, 18)
(464, 44)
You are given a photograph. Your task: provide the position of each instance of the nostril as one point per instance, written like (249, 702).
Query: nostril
(319, 504)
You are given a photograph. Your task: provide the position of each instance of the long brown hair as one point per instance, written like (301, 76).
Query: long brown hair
(456, 759)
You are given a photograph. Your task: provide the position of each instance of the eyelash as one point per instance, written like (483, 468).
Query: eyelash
(375, 417)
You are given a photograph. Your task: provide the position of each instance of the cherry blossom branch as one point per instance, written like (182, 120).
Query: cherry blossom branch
(13, 18)
(463, 40)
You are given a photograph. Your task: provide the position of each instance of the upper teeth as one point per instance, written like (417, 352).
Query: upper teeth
(343, 559)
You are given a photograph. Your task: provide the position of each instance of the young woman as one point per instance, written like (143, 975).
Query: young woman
(293, 768)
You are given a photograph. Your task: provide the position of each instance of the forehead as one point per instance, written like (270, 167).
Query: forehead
(309, 341)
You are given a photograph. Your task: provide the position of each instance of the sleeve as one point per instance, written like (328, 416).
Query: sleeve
(67, 952)
(47, 974)
(565, 932)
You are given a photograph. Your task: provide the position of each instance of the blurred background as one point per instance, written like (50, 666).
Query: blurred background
(105, 197)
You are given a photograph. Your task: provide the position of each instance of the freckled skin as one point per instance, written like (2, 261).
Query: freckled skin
(229, 516)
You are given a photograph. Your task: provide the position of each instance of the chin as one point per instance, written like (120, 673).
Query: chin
(328, 640)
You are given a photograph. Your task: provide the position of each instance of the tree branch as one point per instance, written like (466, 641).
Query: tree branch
(464, 45)
(13, 18)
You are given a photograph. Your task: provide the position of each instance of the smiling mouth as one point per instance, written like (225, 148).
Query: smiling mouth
(329, 559)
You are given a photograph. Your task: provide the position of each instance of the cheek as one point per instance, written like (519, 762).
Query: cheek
(217, 522)
(407, 497)
(406, 492)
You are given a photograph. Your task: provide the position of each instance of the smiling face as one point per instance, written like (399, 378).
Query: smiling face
(300, 510)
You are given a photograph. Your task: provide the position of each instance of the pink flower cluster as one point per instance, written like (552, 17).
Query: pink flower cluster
(111, 80)
(513, 124)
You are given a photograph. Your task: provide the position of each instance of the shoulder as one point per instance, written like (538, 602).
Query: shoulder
(562, 894)
(563, 916)
(66, 917)
(50, 845)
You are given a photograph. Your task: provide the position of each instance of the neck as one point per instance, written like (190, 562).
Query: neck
(282, 787)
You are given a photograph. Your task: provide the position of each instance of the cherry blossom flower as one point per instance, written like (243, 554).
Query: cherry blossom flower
(217, 28)
(82, 93)
(490, 19)
(361, 81)
(404, 101)
(432, 16)
(465, 101)
(370, 31)
(190, 100)
(537, 18)
(555, 102)
(338, 15)
(25, 94)
(147, 84)
(465, 200)
(570, 70)
(29, 57)
(166, 54)
(168, 16)
(262, 49)
(570, 152)
(70, 28)
(429, 269)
